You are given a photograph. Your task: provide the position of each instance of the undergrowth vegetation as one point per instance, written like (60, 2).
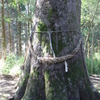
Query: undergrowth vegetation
(96, 64)
(11, 65)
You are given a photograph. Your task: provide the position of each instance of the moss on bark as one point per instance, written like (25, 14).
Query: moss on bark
(55, 87)
(50, 14)
(41, 26)
(35, 89)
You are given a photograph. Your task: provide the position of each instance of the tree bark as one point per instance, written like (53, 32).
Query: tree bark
(50, 81)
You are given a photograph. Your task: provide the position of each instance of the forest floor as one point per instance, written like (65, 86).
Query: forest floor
(8, 84)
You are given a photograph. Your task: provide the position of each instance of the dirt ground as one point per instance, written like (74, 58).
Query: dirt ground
(95, 79)
(8, 84)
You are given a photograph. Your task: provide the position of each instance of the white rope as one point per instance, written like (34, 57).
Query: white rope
(52, 51)
(66, 66)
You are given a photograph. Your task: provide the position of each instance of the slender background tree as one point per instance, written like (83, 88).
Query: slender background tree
(3, 31)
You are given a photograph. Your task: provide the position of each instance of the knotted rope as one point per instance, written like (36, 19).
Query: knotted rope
(52, 60)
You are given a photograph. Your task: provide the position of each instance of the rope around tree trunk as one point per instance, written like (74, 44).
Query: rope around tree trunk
(52, 60)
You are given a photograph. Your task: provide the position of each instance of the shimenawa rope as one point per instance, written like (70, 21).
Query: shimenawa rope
(52, 60)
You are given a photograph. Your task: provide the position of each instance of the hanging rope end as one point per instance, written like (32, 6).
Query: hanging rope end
(66, 66)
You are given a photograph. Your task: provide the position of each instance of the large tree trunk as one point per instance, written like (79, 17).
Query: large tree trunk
(48, 80)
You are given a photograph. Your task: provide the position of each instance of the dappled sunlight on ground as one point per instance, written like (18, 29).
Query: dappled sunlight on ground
(15, 70)
(95, 79)
(7, 86)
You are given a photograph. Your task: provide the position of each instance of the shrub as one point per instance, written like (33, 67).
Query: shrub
(12, 64)
(96, 64)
